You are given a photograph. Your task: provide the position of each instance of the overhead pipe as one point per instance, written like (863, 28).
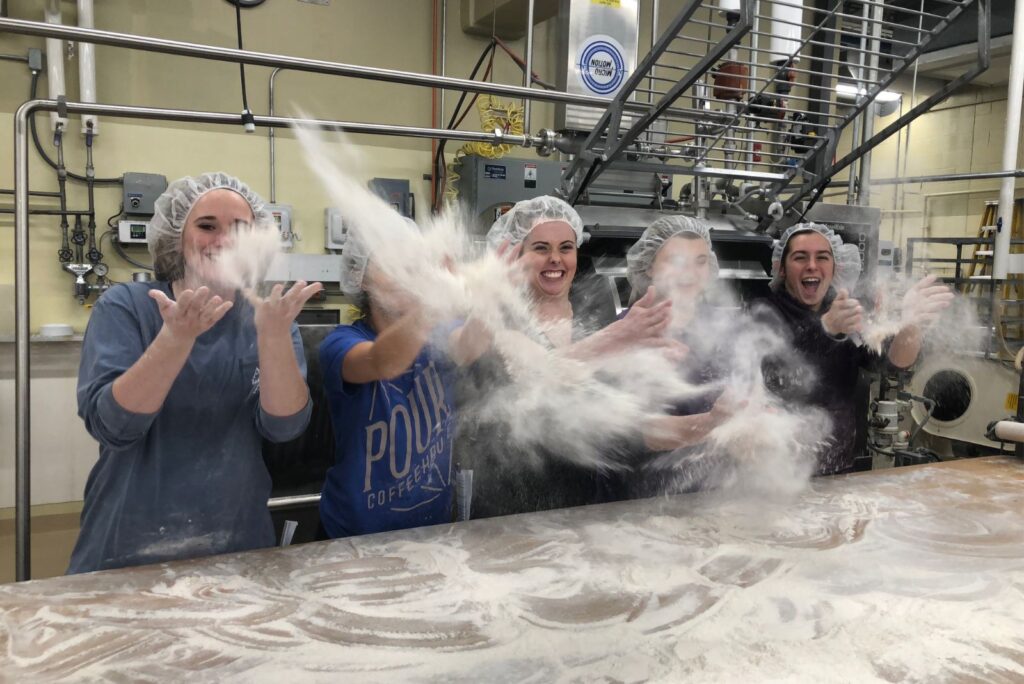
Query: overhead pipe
(54, 62)
(949, 177)
(22, 310)
(87, 68)
(1011, 140)
(319, 66)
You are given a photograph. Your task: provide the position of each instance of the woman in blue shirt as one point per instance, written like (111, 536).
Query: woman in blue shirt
(179, 380)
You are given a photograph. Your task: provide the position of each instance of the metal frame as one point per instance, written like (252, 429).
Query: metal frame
(813, 190)
(23, 373)
(792, 172)
(606, 132)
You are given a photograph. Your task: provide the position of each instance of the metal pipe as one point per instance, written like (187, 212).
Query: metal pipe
(318, 66)
(528, 75)
(868, 124)
(272, 135)
(944, 178)
(87, 67)
(22, 444)
(858, 121)
(13, 58)
(37, 193)
(279, 502)
(444, 60)
(655, 8)
(54, 61)
(1011, 140)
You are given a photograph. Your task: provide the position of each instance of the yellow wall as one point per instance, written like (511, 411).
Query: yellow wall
(389, 33)
(962, 134)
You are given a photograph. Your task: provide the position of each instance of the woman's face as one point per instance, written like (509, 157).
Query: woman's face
(549, 259)
(682, 269)
(210, 227)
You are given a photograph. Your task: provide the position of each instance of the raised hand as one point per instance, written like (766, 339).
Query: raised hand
(647, 319)
(845, 316)
(193, 313)
(276, 311)
(925, 302)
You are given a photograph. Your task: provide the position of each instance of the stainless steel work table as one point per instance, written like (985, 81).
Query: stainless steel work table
(913, 574)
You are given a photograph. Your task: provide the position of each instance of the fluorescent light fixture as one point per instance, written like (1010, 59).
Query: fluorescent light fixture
(848, 92)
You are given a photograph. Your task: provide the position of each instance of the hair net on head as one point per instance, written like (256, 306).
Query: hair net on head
(355, 257)
(641, 255)
(846, 257)
(526, 215)
(171, 210)
(354, 260)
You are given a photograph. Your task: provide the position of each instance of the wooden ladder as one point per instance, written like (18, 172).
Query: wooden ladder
(980, 268)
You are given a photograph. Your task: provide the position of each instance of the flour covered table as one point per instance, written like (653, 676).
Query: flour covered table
(906, 575)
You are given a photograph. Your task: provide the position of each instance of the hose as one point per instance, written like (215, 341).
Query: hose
(494, 115)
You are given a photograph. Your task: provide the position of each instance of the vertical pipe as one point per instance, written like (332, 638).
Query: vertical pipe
(273, 138)
(23, 502)
(54, 63)
(858, 122)
(87, 68)
(1011, 140)
(528, 76)
(752, 57)
(444, 58)
(650, 81)
(851, 182)
(868, 131)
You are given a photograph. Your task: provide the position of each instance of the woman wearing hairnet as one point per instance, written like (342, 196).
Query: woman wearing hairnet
(813, 276)
(179, 380)
(389, 377)
(541, 236)
(674, 259)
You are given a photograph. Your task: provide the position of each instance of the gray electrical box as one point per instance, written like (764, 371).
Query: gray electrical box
(394, 191)
(487, 184)
(140, 192)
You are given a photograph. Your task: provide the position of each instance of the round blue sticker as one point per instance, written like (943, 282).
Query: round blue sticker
(601, 65)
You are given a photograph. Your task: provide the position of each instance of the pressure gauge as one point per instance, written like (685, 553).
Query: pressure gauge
(100, 269)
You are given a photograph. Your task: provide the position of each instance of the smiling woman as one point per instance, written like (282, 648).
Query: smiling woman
(179, 380)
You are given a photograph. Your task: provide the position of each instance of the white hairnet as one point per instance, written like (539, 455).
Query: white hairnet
(846, 257)
(641, 255)
(355, 257)
(171, 210)
(526, 215)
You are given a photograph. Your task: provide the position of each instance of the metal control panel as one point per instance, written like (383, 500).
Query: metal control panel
(282, 214)
(141, 190)
(132, 232)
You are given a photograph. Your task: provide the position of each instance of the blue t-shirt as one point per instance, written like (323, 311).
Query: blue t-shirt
(393, 442)
(188, 480)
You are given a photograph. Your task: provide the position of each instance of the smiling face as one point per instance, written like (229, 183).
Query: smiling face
(210, 227)
(807, 268)
(682, 268)
(549, 259)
